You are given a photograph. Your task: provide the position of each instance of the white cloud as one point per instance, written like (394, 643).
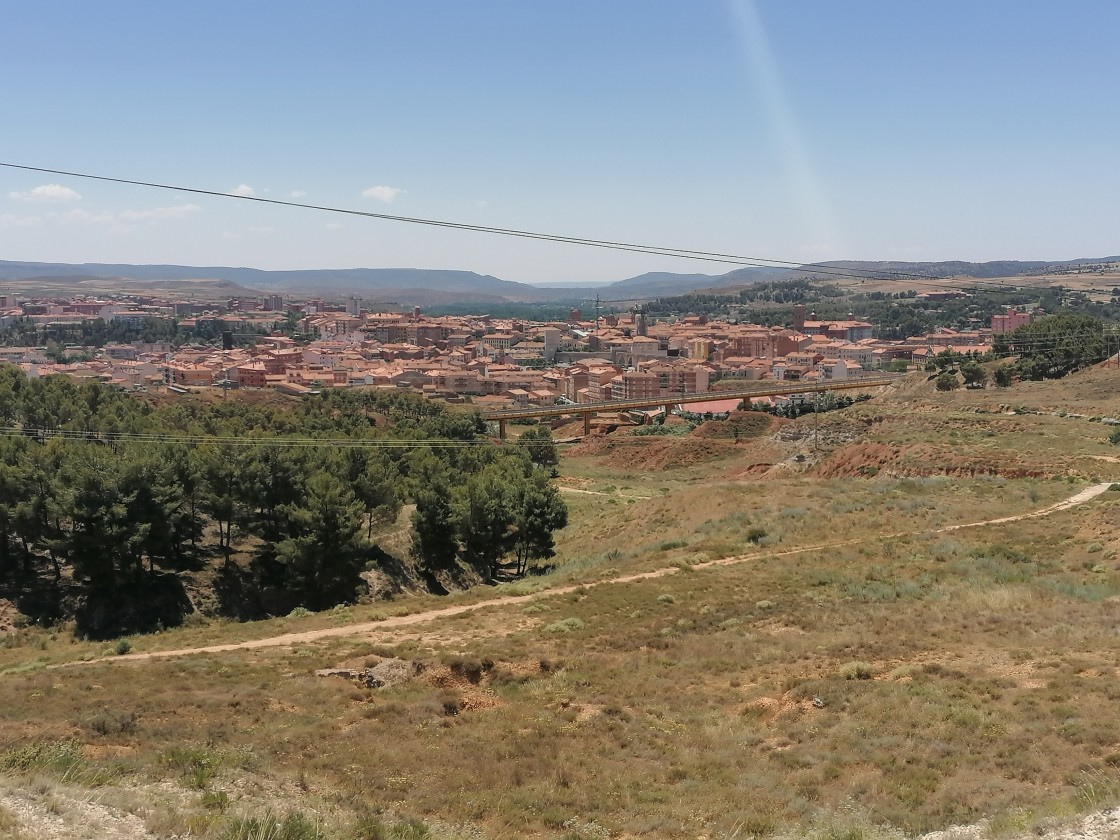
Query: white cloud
(230, 235)
(80, 215)
(243, 190)
(12, 220)
(267, 229)
(297, 193)
(47, 192)
(382, 193)
(334, 226)
(482, 205)
(179, 211)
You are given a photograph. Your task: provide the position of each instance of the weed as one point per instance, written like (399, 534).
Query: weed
(451, 704)
(292, 826)
(564, 625)
(105, 723)
(197, 766)
(755, 534)
(856, 671)
(214, 800)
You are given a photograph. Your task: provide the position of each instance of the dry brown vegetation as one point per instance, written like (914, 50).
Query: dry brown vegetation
(812, 652)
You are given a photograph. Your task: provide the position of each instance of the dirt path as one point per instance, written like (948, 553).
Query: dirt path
(288, 639)
(616, 495)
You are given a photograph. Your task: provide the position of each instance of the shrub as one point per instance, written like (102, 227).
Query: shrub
(665, 598)
(564, 625)
(215, 800)
(857, 671)
(123, 646)
(197, 765)
(105, 723)
(471, 669)
(755, 535)
(947, 382)
(451, 704)
(293, 826)
(64, 758)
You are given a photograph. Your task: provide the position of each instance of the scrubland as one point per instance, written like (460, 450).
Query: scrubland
(777, 636)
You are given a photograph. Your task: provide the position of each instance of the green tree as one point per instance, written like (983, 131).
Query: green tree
(1003, 375)
(1054, 346)
(484, 515)
(324, 558)
(540, 511)
(974, 374)
(947, 382)
(272, 487)
(373, 479)
(221, 497)
(38, 512)
(434, 542)
(537, 440)
(103, 542)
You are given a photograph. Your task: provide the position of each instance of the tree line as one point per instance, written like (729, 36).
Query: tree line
(97, 332)
(113, 510)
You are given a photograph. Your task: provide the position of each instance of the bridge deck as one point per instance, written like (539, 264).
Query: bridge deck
(762, 389)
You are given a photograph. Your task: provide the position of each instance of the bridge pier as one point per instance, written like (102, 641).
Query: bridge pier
(501, 430)
(586, 423)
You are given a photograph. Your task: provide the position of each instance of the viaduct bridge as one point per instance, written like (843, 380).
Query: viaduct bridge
(760, 389)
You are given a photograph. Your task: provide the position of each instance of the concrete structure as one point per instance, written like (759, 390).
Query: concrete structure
(1010, 320)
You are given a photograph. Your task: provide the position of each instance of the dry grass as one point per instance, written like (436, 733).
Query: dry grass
(957, 675)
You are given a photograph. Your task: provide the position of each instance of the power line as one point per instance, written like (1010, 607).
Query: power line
(247, 442)
(656, 250)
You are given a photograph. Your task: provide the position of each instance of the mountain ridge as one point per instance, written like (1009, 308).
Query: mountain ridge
(418, 285)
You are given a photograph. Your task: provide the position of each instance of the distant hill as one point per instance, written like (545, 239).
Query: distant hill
(410, 286)
(956, 268)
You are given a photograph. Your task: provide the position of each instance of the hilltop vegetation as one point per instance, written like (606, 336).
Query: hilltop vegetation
(896, 315)
(796, 624)
(110, 508)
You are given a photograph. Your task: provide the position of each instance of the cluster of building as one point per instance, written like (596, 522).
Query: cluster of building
(489, 360)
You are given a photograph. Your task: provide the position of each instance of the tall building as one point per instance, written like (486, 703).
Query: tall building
(354, 306)
(1010, 320)
(799, 317)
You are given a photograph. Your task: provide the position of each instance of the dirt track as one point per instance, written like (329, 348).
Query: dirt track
(288, 639)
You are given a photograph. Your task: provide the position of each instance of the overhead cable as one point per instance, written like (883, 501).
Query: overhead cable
(656, 250)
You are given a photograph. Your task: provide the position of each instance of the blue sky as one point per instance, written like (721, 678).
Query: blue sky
(790, 129)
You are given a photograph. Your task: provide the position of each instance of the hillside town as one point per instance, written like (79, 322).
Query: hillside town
(493, 362)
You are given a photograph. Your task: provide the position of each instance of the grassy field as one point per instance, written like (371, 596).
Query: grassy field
(810, 653)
